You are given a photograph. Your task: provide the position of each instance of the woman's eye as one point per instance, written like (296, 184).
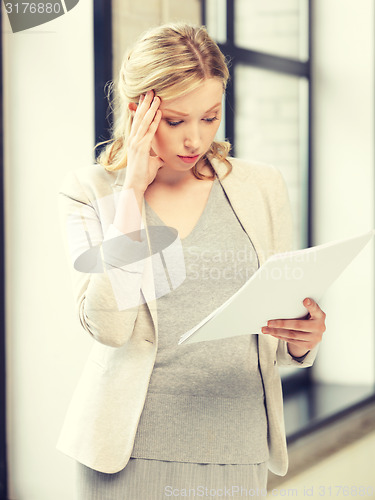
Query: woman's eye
(173, 124)
(210, 120)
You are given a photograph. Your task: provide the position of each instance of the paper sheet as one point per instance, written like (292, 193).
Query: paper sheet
(277, 289)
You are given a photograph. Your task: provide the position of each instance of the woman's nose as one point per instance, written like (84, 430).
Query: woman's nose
(192, 139)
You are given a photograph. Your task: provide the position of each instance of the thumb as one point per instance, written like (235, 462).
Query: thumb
(156, 161)
(313, 308)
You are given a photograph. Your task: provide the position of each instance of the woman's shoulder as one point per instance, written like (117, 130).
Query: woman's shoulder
(250, 168)
(90, 180)
(250, 174)
(251, 177)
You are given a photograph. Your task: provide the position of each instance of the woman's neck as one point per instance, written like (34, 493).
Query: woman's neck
(175, 178)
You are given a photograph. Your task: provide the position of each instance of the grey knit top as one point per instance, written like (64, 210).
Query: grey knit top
(205, 401)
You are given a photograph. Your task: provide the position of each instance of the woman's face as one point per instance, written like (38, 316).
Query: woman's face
(188, 125)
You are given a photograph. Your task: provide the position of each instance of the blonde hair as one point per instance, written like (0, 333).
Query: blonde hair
(171, 60)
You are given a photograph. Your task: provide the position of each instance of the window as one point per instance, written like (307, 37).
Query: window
(267, 106)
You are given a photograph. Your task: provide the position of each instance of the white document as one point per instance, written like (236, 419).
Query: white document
(276, 290)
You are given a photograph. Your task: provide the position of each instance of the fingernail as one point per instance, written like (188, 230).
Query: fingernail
(308, 302)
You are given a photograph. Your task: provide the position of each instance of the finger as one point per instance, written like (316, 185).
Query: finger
(288, 334)
(142, 108)
(156, 162)
(144, 133)
(138, 104)
(313, 308)
(303, 325)
(145, 102)
(307, 341)
(310, 326)
(148, 119)
(154, 125)
(307, 344)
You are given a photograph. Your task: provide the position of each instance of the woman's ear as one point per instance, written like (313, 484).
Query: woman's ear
(132, 106)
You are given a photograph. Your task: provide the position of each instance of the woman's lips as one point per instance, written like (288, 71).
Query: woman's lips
(189, 159)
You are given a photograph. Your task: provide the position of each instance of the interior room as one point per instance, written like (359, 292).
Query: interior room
(301, 98)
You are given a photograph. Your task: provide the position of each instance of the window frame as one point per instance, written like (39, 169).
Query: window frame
(103, 69)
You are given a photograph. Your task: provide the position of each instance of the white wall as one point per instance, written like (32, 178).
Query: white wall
(343, 73)
(49, 129)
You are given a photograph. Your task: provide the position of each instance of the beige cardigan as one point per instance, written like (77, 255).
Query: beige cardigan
(102, 419)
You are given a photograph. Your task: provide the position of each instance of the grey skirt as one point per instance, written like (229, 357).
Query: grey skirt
(144, 479)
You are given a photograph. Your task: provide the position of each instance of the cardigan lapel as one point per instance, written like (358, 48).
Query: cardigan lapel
(240, 199)
(239, 194)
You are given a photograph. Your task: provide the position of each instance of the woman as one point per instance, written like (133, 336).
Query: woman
(150, 418)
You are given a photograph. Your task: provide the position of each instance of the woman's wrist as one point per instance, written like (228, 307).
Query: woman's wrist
(134, 186)
(129, 209)
(297, 352)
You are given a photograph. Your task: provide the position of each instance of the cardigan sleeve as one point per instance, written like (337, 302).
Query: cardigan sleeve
(285, 359)
(283, 237)
(107, 291)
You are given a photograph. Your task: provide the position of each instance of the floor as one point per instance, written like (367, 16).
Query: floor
(349, 473)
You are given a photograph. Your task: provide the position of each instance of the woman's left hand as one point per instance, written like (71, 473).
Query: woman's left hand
(302, 335)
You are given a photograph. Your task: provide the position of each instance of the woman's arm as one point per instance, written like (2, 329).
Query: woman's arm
(112, 272)
(107, 297)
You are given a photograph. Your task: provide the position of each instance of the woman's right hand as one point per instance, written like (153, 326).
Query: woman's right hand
(141, 167)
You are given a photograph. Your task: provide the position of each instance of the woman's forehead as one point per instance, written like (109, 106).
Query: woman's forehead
(204, 97)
